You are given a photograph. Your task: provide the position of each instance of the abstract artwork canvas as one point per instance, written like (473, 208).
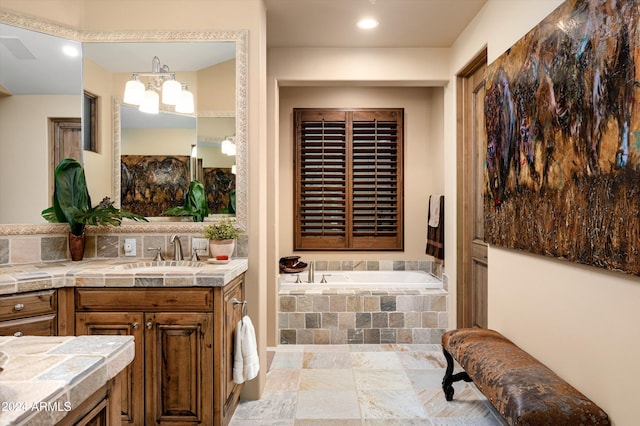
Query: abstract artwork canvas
(563, 138)
(220, 187)
(150, 184)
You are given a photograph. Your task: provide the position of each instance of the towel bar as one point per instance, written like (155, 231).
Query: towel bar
(236, 302)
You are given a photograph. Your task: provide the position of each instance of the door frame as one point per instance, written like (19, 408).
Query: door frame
(464, 290)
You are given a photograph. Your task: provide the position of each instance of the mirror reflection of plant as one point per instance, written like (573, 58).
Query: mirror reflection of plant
(195, 203)
(224, 229)
(72, 203)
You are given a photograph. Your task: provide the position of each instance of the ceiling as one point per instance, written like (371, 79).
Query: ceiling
(403, 23)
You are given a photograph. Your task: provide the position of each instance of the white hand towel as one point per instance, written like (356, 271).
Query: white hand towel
(246, 363)
(434, 210)
(238, 371)
(249, 350)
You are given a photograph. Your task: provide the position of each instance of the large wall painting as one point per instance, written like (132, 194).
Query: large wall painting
(150, 184)
(220, 187)
(563, 138)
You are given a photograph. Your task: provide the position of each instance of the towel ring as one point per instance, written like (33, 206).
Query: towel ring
(236, 302)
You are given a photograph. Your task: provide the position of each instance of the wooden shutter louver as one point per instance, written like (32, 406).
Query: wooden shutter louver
(348, 190)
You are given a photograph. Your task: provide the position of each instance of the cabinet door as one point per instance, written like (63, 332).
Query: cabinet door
(122, 324)
(179, 361)
(232, 315)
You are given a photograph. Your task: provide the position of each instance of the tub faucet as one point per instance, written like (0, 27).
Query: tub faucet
(310, 277)
(177, 247)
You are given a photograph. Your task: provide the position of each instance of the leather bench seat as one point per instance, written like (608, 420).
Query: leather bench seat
(521, 388)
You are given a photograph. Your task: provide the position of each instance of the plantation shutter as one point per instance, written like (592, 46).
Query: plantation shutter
(376, 180)
(348, 189)
(321, 179)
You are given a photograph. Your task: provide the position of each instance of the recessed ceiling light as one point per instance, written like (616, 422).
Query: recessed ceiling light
(367, 23)
(70, 51)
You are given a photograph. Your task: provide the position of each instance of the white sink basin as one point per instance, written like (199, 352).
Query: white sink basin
(161, 267)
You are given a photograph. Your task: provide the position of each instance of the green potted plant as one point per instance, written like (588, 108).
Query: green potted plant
(195, 203)
(222, 237)
(72, 204)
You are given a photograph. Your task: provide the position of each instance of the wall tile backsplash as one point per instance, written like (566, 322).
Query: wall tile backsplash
(18, 249)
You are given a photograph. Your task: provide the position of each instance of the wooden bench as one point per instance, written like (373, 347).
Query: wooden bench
(521, 388)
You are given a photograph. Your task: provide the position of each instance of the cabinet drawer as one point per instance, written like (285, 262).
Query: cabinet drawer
(145, 299)
(43, 325)
(27, 305)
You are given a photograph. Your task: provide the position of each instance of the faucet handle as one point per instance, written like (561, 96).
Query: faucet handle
(158, 256)
(324, 278)
(194, 256)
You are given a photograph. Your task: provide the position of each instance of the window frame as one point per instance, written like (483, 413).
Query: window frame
(378, 224)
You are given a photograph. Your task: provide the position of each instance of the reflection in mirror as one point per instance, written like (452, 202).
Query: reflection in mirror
(29, 141)
(155, 149)
(155, 160)
(40, 110)
(216, 169)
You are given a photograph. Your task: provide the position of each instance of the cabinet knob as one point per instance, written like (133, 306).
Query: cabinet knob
(18, 307)
(18, 334)
(135, 325)
(149, 325)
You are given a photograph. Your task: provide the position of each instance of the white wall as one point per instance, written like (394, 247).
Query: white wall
(24, 132)
(580, 321)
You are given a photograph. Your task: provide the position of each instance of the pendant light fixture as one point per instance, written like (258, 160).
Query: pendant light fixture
(161, 80)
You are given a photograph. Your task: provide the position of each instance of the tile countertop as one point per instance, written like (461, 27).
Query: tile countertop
(45, 377)
(118, 273)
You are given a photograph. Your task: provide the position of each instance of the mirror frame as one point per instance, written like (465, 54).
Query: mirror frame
(240, 37)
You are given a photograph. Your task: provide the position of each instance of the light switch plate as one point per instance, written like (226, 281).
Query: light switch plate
(202, 244)
(130, 247)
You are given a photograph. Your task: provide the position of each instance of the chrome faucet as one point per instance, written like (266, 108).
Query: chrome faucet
(310, 277)
(177, 247)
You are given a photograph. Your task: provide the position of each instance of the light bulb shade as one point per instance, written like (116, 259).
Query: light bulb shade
(133, 91)
(185, 104)
(233, 169)
(225, 147)
(150, 103)
(171, 92)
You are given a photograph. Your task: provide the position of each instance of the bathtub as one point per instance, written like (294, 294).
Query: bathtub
(362, 280)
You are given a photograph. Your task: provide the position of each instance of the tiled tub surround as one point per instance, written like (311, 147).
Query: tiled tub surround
(320, 314)
(122, 272)
(59, 372)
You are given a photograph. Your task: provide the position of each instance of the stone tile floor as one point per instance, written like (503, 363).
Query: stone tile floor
(346, 385)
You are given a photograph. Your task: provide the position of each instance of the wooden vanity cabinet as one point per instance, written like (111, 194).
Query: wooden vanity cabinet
(182, 370)
(32, 313)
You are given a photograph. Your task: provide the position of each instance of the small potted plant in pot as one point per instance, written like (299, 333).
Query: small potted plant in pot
(72, 204)
(222, 238)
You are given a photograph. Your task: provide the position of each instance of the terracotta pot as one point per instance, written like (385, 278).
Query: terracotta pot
(221, 247)
(76, 245)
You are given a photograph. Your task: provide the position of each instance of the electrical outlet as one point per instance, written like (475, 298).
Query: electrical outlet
(130, 247)
(202, 245)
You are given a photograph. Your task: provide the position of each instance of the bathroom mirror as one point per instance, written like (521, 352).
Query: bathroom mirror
(105, 169)
(40, 116)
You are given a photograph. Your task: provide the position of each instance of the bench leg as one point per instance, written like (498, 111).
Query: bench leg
(450, 378)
